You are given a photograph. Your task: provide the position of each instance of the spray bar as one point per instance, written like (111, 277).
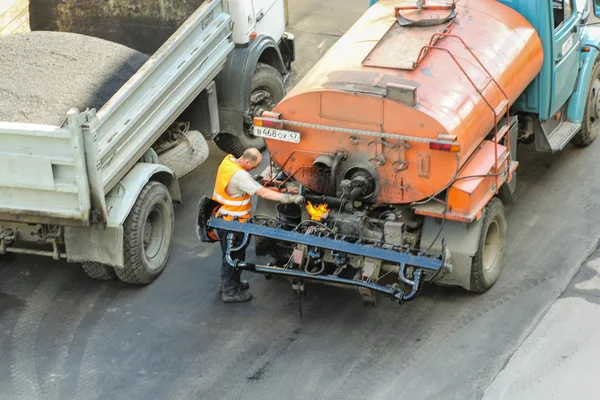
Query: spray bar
(429, 263)
(422, 264)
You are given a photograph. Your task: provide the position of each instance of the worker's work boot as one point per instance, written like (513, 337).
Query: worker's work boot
(236, 295)
(244, 285)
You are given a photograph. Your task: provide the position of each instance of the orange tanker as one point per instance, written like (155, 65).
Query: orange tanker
(403, 141)
(381, 78)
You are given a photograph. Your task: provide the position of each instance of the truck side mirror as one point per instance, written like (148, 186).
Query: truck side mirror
(585, 13)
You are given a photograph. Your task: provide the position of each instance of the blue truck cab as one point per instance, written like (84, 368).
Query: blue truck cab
(562, 104)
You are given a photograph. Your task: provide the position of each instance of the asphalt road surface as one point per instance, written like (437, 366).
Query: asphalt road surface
(64, 336)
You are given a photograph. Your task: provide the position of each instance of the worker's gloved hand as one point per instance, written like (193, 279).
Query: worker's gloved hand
(292, 199)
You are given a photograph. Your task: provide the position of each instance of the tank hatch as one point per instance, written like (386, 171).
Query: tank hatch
(412, 30)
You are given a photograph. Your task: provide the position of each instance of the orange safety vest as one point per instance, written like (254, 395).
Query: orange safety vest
(232, 206)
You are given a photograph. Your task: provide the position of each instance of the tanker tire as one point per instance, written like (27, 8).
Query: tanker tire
(267, 79)
(155, 207)
(187, 155)
(487, 263)
(591, 116)
(101, 272)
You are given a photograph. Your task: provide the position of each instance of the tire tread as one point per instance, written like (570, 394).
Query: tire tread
(134, 270)
(185, 157)
(99, 271)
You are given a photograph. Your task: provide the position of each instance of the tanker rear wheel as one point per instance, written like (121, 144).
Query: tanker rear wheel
(591, 116)
(487, 263)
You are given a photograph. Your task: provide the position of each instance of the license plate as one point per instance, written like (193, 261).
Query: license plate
(277, 134)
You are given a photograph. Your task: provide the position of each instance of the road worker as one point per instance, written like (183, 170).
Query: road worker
(234, 188)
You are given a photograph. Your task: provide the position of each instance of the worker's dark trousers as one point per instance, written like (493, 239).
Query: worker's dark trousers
(231, 278)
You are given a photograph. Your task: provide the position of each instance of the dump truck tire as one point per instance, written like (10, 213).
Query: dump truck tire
(591, 116)
(148, 233)
(267, 91)
(487, 263)
(187, 155)
(99, 271)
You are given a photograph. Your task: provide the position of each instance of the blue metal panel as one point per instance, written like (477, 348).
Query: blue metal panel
(537, 97)
(566, 60)
(577, 103)
(430, 263)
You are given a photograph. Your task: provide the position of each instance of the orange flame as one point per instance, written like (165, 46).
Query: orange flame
(318, 212)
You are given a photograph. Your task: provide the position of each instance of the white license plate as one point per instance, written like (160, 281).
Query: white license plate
(277, 134)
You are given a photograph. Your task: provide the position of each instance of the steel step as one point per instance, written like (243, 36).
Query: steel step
(562, 135)
(501, 133)
(501, 109)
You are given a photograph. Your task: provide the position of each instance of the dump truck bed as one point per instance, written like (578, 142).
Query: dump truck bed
(55, 174)
(45, 74)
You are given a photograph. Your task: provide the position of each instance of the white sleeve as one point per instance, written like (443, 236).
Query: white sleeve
(242, 183)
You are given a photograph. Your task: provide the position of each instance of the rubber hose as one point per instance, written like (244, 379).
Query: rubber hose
(333, 177)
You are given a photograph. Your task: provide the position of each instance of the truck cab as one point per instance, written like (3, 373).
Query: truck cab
(560, 104)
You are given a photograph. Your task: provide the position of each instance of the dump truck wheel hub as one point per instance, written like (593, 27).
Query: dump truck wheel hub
(154, 232)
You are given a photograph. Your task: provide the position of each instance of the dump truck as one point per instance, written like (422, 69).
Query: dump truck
(403, 139)
(97, 186)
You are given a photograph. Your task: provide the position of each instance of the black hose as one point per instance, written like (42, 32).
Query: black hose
(333, 177)
(334, 202)
(312, 222)
(356, 193)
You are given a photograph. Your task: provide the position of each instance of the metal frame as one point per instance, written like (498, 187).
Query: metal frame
(44, 176)
(359, 132)
(426, 267)
(132, 120)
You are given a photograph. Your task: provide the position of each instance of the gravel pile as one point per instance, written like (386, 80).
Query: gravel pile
(44, 74)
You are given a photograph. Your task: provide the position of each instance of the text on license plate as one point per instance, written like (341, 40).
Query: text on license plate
(277, 134)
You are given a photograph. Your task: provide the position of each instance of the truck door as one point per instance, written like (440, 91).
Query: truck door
(270, 17)
(566, 52)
